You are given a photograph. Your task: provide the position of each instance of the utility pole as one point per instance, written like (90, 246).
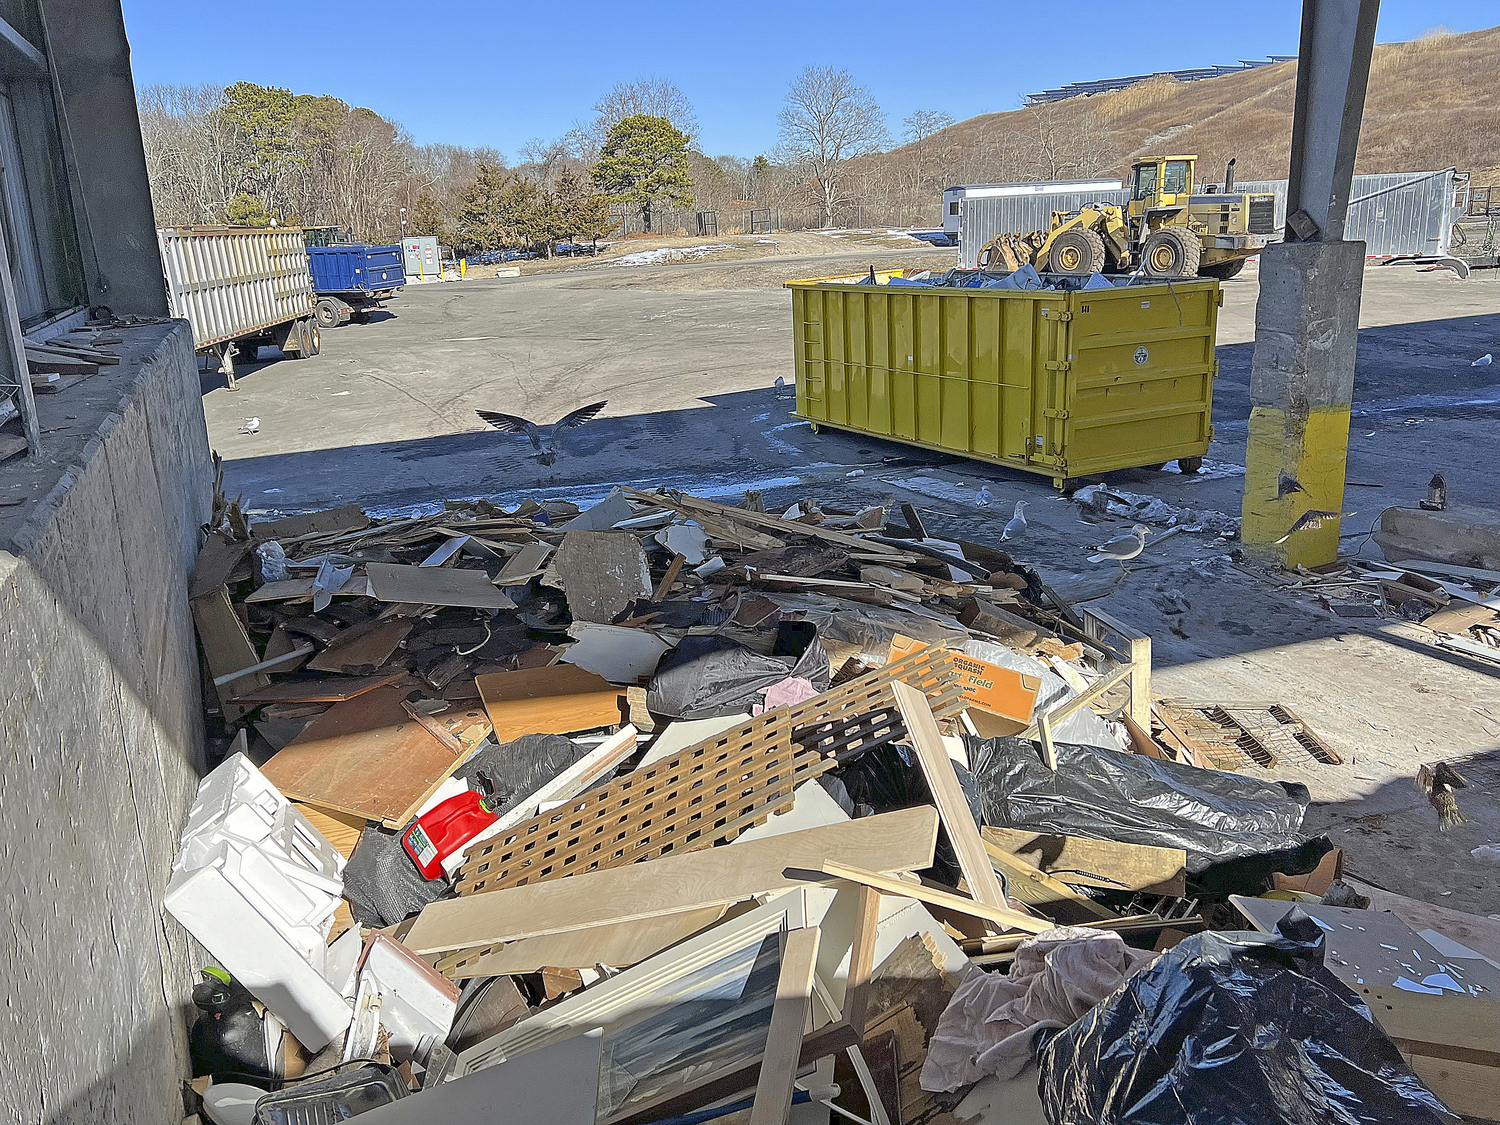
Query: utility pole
(1307, 317)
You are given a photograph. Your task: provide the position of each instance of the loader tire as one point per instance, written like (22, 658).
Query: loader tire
(1076, 253)
(1171, 253)
(1222, 270)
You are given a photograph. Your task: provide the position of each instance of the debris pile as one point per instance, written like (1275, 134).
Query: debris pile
(665, 807)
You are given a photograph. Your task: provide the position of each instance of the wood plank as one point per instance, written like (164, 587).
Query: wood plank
(692, 505)
(1472, 1089)
(226, 647)
(435, 585)
(216, 562)
(1037, 888)
(39, 363)
(351, 517)
(937, 768)
(356, 586)
(557, 699)
(366, 757)
(896, 841)
(862, 959)
(328, 689)
(833, 869)
(1096, 863)
(791, 1015)
(359, 646)
(339, 829)
(1479, 933)
(617, 945)
(674, 568)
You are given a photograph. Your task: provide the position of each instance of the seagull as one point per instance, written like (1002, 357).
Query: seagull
(1288, 484)
(1309, 520)
(780, 386)
(983, 497)
(1483, 361)
(1017, 525)
(1123, 548)
(543, 438)
(251, 426)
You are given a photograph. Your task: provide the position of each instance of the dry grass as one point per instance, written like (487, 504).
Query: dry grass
(1431, 103)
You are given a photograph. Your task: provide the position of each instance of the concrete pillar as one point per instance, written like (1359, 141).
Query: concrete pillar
(1301, 387)
(1307, 318)
(101, 133)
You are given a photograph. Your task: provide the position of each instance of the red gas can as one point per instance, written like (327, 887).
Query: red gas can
(445, 828)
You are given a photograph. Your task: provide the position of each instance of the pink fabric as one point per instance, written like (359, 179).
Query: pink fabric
(793, 689)
(989, 1025)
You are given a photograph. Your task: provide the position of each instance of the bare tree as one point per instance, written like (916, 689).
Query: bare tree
(546, 160)
(1062, 142)
(653, 96)
(828, 119)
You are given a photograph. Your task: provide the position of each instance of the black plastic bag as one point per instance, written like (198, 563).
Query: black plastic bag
(382, 883)
(1112, 795)
(705, 677)
(1233, 1029)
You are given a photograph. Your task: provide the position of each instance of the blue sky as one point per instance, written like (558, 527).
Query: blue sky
(475, 73)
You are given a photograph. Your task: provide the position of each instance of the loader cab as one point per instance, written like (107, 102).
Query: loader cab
(1165, 183)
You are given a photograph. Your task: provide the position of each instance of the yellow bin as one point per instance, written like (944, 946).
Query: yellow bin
(1065, 384)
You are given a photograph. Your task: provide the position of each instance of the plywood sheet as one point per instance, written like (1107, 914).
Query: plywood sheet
(367, 645)
(1097, 863)
(556, 699)
(895, 841)
(348, 518)
(618, 945)
(328, 689)
(435, 585)
(366, 757)
(339, 829)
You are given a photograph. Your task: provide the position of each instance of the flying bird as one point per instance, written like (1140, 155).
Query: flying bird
(1017, 525)
(543, 438)
(1309, 520)
(1439, 782)
(1123, 548)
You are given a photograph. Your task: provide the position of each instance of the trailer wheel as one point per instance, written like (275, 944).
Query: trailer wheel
(1189, 465)
(327, 312)
(312, 338)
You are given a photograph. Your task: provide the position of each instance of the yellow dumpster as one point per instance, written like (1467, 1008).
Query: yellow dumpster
(1065, 384)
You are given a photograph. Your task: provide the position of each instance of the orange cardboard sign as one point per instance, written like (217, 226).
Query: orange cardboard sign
(989, 687)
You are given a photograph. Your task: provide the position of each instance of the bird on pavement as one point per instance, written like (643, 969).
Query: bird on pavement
(1123, 548)
(983, 497)
(1017, 525)
(543, 438)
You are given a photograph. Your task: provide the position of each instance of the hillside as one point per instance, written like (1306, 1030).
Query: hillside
(1431, 104)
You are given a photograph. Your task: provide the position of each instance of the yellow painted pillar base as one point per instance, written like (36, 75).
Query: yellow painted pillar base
(1311, 450)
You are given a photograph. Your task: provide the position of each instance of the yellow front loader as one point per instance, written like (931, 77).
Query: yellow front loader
(1164, 231)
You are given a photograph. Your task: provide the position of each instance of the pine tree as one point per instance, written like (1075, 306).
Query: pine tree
(480, 220)
(644, 164)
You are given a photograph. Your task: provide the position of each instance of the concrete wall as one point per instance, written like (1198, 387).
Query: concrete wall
(106, 162)
(101, 746)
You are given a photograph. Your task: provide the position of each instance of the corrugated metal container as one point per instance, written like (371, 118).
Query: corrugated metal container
(1059, 383)
(355, 268)
(1395, 214)
(233, 282)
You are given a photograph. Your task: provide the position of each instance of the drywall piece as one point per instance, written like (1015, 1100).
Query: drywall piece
(1097, 863)
(1000, 1101)
(435, 585)
(613, 509)
(620, 655)
(812, 807)
(367, 757)
(678, 736)
(558, 1085)
(791, 1013)
(652, 984)
(937, 768)
(524, 565)
(895, 841)
(617, 945)
(1479, 933)
(556, 699)
(687, 540)
(257, 885)
(603, 572)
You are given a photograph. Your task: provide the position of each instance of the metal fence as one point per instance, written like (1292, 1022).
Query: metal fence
(1396, 214)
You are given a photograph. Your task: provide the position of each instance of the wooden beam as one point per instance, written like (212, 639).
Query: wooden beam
(1096, 689)
(1037, 888)
(895, 841)
(862, 959)
(1005, 918)
(927, 742)
(791, 1014)
(1095, 863)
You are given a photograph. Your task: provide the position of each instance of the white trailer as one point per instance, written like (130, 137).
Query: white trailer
(953, 197)
(241, 288)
